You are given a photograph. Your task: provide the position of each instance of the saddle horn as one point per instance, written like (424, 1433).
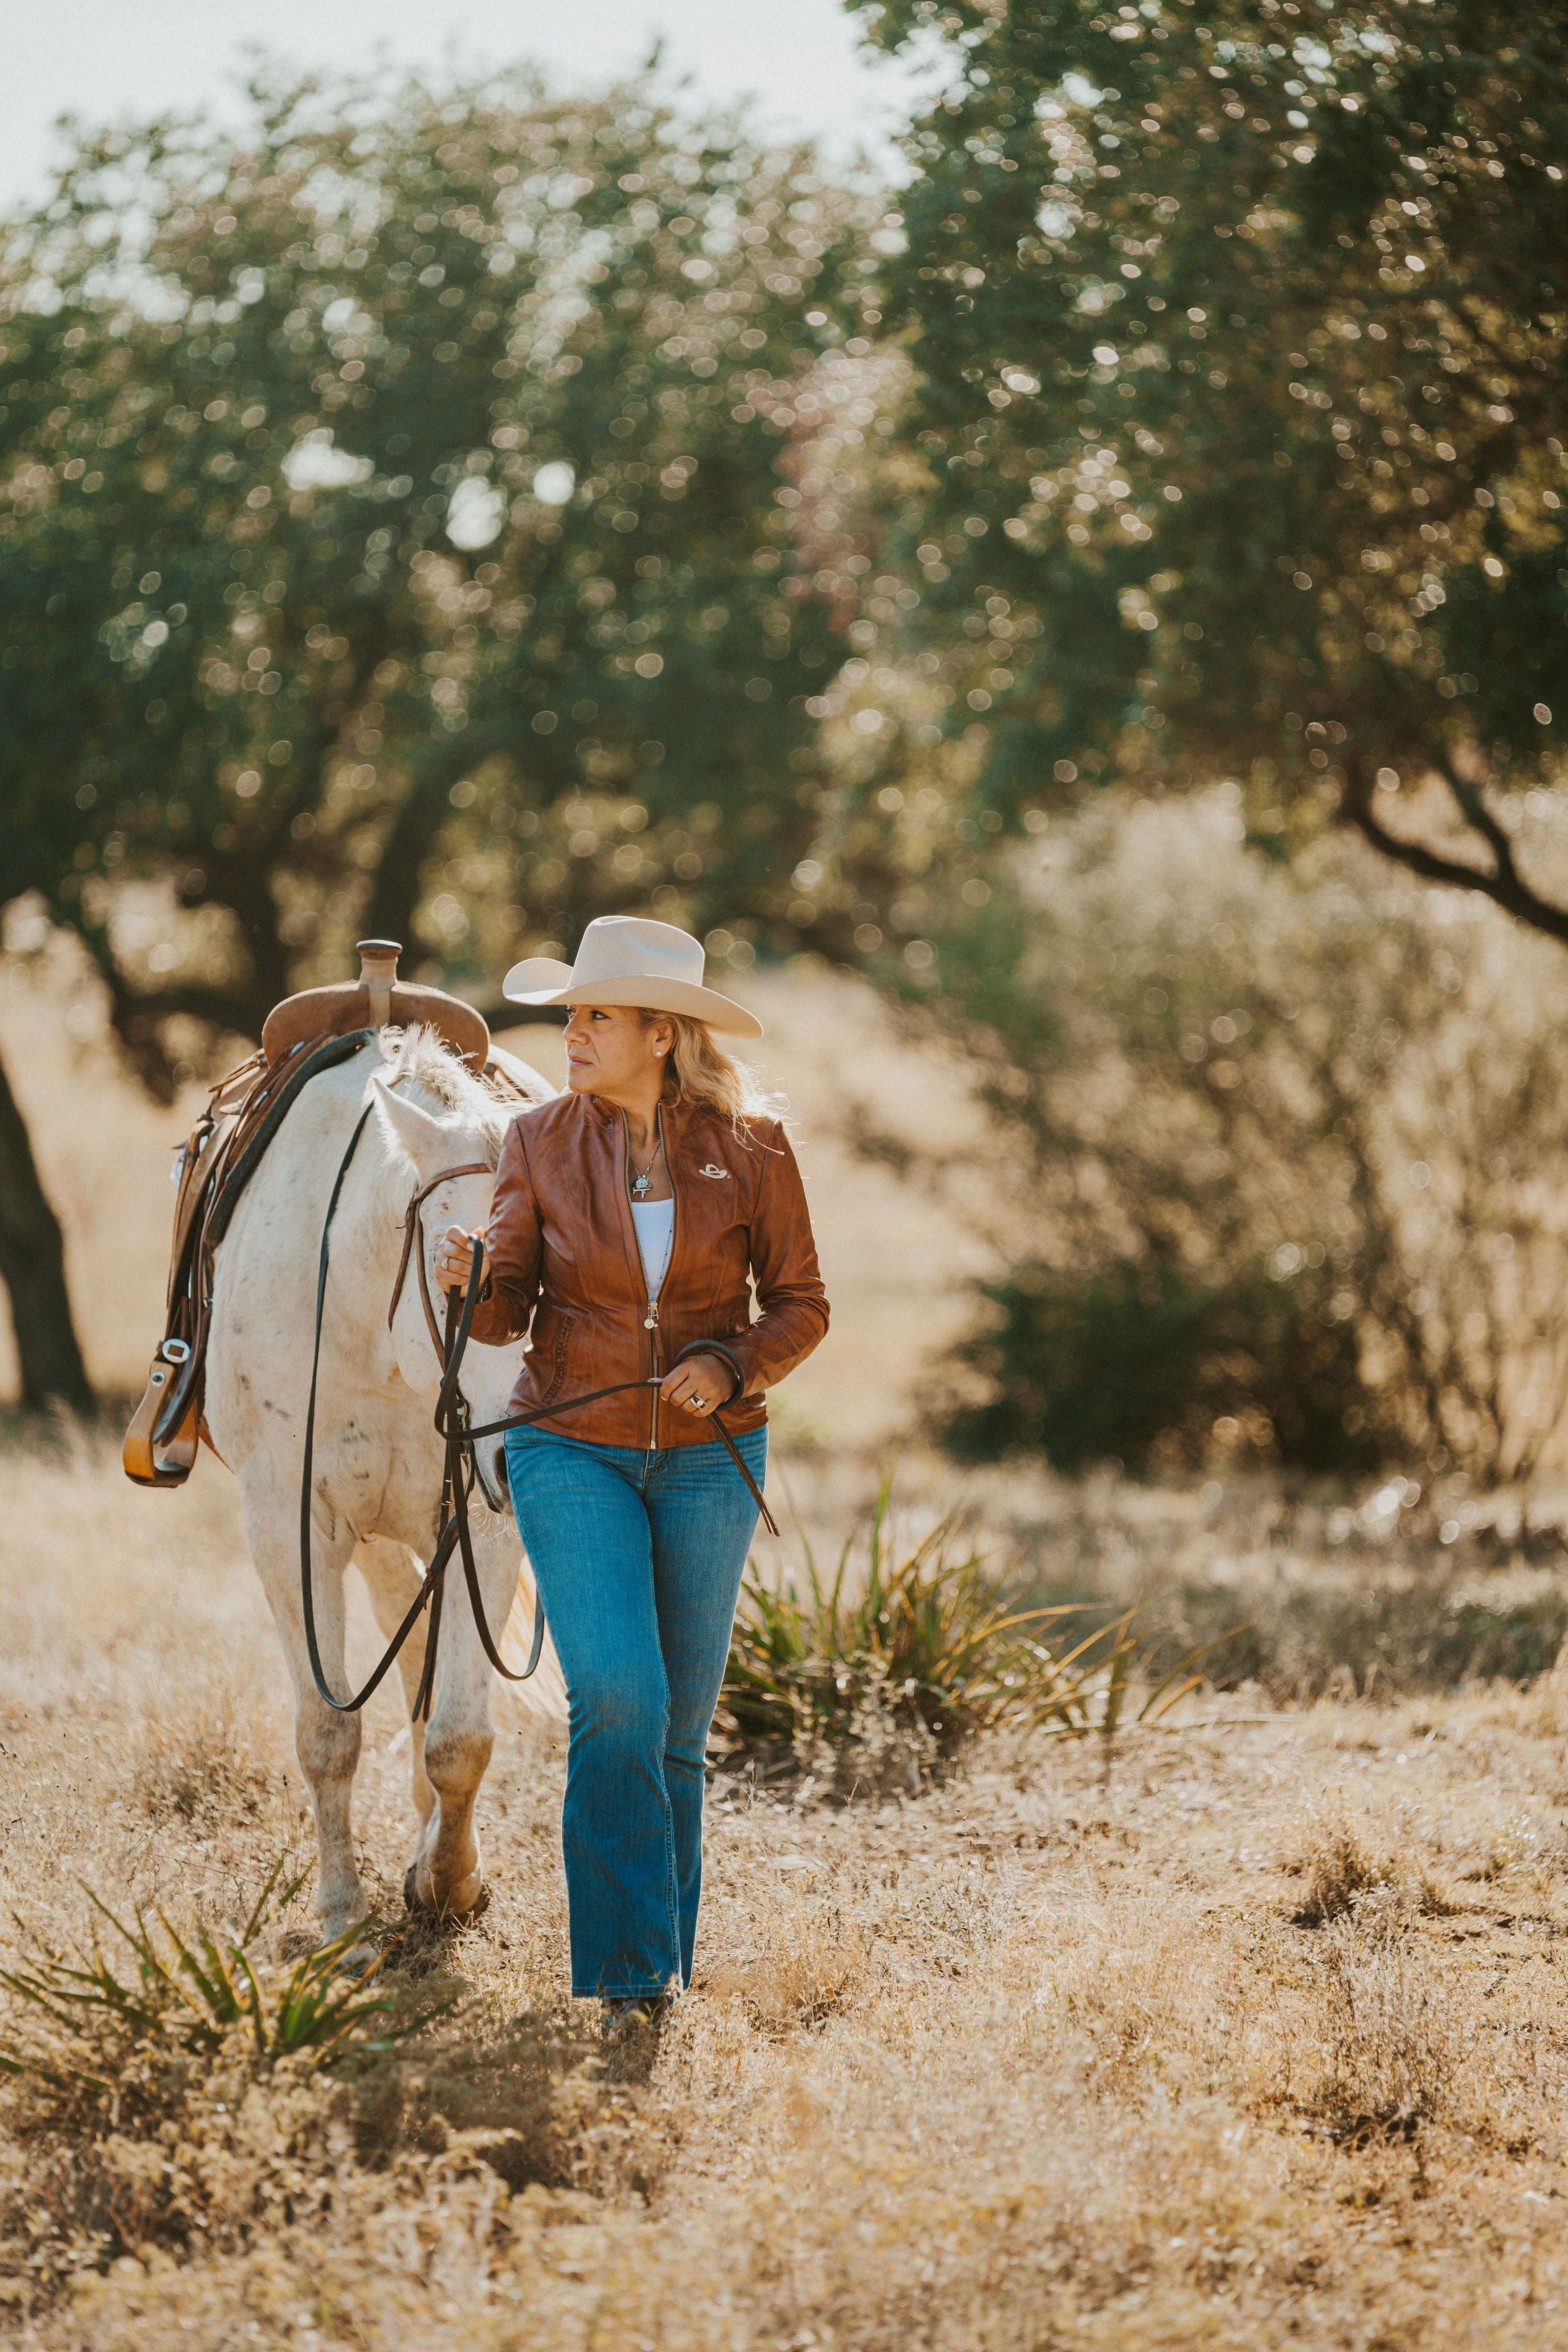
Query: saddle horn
(378, 974)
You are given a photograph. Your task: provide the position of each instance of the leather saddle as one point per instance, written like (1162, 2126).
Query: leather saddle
(304, 1035)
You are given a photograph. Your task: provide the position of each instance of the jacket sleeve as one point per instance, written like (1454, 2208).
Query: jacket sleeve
(793, 1303)
(512, 1249)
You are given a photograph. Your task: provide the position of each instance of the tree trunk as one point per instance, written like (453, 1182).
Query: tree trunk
(32, 1266)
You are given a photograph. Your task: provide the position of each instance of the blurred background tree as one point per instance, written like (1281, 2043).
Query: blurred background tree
(391, 538)
(454, 513)
(397, 535)
(1238, 338)
(1275, 1170)
(32, 1268)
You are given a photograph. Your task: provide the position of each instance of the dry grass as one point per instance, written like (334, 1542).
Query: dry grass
(201, 1766)
(1019, 2064)
(1347, 1865)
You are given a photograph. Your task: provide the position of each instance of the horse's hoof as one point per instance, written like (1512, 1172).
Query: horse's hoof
(419, 1909)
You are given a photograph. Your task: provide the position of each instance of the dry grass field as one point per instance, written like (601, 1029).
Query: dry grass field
(1264, 2041)
(1257, 2038)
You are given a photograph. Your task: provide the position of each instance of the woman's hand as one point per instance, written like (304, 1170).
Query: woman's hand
(454, 1258)
(702, 1383)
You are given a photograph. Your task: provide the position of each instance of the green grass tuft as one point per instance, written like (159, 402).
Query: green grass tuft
(927, 1652)
(81, 2012)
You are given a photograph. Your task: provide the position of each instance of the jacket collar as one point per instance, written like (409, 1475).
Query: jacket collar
(677, 1115)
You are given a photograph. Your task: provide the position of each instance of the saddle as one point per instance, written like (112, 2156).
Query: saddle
(307, 1034)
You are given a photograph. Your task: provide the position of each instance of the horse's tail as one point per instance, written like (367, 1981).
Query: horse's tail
(545, 1690)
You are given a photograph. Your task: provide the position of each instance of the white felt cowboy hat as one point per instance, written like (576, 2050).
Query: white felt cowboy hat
(627, 959)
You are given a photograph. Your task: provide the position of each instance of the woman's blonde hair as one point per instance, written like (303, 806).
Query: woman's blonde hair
(700, 1071)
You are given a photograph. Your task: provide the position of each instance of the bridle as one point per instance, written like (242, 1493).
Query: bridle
(414, 1246)
(450, 1339)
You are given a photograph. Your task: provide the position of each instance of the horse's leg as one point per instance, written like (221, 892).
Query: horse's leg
(448, 1877)
(326, 1742)
(392, 1575)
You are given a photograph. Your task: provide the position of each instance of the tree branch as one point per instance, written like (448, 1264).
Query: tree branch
(237, 1011)
(137, 1019)
(1472, 807)
(1504, 885)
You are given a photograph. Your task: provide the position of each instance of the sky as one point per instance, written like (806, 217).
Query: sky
(103, 59)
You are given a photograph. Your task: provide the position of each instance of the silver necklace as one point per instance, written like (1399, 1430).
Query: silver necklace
(643, 1177)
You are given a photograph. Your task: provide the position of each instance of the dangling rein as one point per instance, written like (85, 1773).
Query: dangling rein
(457, 1473)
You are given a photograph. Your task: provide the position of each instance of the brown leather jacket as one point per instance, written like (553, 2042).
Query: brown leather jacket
(563, 1263)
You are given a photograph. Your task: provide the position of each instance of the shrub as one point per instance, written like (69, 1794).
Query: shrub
(926, 1648)
(1136, 1360)
(1273, 1160)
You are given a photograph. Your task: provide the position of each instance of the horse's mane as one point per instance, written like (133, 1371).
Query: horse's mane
(431, 1074)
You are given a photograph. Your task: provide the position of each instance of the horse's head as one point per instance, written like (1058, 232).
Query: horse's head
(423, 1146)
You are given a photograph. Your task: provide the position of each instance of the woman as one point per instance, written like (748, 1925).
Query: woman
(629, 1213)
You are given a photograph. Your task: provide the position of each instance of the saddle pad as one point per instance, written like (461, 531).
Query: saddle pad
(328, 1055)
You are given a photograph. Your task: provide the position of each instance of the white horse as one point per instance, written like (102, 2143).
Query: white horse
(378, 1460)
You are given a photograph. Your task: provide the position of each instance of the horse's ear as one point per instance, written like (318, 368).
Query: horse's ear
(413, 1129)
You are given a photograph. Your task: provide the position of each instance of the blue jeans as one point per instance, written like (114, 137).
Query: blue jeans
(639, 1558)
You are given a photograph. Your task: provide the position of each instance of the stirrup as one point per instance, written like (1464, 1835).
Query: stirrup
(152, 1463)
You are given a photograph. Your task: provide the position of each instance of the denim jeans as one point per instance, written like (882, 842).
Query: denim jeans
(639, 1558)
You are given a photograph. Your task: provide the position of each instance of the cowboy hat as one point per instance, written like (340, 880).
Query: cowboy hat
(628, 960)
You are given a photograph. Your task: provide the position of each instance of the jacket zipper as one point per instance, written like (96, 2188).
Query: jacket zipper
(650, 1320)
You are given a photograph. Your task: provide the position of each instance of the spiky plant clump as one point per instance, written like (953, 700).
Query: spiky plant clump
(927, 1652)
(88, 2023)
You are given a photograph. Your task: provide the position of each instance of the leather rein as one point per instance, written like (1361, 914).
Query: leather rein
(451, 1340)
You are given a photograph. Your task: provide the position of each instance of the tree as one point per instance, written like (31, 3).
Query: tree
(390, 537)
(1240, 338)
(32, 1268)
(1272, 1163)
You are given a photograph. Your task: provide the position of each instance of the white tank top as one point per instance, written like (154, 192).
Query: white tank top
(655, 1222)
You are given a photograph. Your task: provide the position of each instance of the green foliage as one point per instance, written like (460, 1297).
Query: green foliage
(1272, 1148)
(174, 1996)
(390, 529)
(928, 1647)
(1240, 335)
(1136, 1361)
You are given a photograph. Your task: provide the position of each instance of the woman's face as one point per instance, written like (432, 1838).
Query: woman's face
(611, 1050)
